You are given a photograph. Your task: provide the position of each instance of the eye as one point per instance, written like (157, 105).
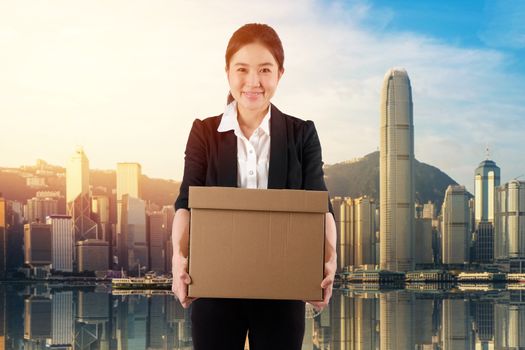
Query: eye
(266, 70)
(241, 69)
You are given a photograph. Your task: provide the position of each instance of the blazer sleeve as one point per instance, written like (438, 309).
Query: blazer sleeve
(195, 163)
(313, 175)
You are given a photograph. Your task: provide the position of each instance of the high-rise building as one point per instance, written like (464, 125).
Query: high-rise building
(128, 186)
(157, 238)
(486, 179)
(396, 173)
(3, 237)
(133, 243)
(38, 208)
(510, 225)
(78, 197)
(100, 211)
(365, 231)
(423, 232)
(37, 244)
(456, 227)
(128, 182)
(62, 242)
(92, 255)
(345, 240)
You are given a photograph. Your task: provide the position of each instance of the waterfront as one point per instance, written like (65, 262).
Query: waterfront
(42, 316)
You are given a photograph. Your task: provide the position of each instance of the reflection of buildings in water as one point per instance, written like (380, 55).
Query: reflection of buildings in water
(423, 313)
(37, 319)
(133, 318)
(92, 320)
(484, 324)
(341, 322)
(396, 319)
(156, 337)
(509, 320)
(62, 313)
(178, 322)
(308, 342)
(366, 323)
(3, 319)
(456, 328)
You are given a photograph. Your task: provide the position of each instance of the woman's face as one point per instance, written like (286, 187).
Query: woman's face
(253, 75)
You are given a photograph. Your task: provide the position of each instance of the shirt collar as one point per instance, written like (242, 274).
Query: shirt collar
(229, 120)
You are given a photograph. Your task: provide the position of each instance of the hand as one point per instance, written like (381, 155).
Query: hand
(181, 279)
(327, 284)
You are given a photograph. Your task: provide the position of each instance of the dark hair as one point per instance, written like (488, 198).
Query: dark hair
(255, 33)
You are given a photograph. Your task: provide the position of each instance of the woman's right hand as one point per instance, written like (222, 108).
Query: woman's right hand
(181, 280)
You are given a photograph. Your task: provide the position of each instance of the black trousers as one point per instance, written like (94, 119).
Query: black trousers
(223, 323)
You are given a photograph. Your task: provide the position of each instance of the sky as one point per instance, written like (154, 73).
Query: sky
(126, 79)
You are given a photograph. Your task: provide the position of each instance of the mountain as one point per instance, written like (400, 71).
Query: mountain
(345, 179)
(361, 177)
(13, 185)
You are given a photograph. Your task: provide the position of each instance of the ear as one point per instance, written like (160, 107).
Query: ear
(281, 72)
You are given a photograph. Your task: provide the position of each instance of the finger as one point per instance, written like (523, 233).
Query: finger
(327, 295)
(327, 282)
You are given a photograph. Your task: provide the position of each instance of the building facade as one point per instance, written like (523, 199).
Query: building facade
(510, 225)
(455, 247)
(63, 242)
(396, 173)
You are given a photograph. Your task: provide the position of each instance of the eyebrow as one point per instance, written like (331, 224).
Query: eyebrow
(262, 64)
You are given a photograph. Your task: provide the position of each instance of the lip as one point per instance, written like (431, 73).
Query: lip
(252, 95)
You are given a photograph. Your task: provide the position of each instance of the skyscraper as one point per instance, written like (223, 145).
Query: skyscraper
(62, 237)
(486, 179)
(510, 225)
(3, 237)
(38, 208)
(37, 244)
(456, 227)
(133, 243)
(77, 196)
(128, 198)
(128, 182)
(396, 172)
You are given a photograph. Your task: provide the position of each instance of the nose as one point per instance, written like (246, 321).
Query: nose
(253, 79)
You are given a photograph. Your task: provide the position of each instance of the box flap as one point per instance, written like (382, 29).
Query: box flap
(258, 199)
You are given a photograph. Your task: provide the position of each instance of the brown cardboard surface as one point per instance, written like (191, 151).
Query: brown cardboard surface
(249, 243)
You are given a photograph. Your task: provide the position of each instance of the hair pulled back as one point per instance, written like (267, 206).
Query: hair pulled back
(255, 33)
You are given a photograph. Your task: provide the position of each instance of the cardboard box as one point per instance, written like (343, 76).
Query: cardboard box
(260, 244)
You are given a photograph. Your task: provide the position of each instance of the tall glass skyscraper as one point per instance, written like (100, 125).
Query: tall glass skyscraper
(396, 173)
(77, 196)
(486, 179)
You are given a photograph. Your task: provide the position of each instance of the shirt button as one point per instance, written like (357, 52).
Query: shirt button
(251, 151)
(251, 172)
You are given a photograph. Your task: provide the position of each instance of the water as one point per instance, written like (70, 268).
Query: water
(41, 316)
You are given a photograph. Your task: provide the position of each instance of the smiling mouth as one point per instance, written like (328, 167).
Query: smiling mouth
(252, 93)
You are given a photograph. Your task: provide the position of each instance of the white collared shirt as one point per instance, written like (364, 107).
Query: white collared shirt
(253, 155)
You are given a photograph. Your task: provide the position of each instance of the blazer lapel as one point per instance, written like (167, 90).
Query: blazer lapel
(227, 159)
(278, 150)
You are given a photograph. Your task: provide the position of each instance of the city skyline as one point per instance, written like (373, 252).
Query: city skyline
(120, 78)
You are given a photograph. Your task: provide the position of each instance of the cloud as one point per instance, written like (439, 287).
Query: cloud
(127, 80)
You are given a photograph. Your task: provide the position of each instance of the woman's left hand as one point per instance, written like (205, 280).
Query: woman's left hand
(330, 266)
(327, 284)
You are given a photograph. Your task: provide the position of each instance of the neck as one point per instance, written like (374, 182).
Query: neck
(251, 119)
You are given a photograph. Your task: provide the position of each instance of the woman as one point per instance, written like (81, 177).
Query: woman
(251, 145)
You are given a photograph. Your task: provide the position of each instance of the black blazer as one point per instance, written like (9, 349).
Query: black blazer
(295, 156)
